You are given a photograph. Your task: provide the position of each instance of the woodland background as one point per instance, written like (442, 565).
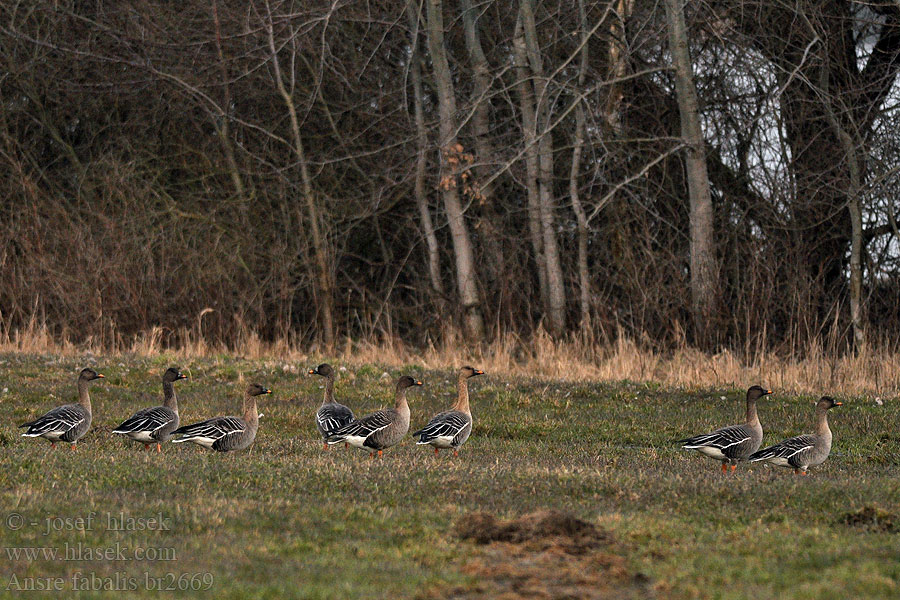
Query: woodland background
(719, 174)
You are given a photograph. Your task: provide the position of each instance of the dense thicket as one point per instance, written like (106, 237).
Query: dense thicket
(321, 169)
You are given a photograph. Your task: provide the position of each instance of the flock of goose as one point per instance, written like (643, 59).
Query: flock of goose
(335, 422)
(385, 428)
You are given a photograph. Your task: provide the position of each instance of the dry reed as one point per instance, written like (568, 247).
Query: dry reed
(812, 371)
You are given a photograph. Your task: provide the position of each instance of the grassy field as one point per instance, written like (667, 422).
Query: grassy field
(290, 520)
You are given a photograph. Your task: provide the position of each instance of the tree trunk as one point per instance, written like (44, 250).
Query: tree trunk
(433, 256)
(703, 260)
(484, 153)
(462, 245)
(850, 147)
(584, 297)
(555, 281)
(324, 294)
(529, 127)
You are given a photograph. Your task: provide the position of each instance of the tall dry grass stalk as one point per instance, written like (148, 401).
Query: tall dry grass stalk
(813, 371)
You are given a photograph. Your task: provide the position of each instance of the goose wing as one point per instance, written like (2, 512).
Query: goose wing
(721, 439)
(148, 419)
(332, 417)
(786, 449)
(58, 421)
(362, 428)
(210, 430)
(447, 425)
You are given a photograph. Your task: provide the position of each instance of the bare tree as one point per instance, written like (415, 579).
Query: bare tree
(450, 151)
(703, 258)
(415, 70)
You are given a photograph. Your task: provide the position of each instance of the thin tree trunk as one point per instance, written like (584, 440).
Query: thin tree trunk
(433, 256)
(462, 244)
(584, 296)
(555, 281)
(222, 127)
(703, 260)
(529, 127)
(481, 118)
(323, 275)
(618, 63)
(855, 210)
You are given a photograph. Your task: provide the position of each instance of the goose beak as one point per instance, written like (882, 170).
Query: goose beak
(479, 372)
(838, 403)
(419, 382)
(311, 372)
(182, 376)
(768, 392)
(268, 391)
(101, 376)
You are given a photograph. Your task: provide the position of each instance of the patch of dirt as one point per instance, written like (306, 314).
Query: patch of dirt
(872, 518)
(544, 555)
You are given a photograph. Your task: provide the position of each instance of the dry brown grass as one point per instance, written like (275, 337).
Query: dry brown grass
(873, 372)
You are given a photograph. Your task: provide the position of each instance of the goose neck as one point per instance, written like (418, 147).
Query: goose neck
(329, 390)
(84, 398)
(462, 395)
(170, 400)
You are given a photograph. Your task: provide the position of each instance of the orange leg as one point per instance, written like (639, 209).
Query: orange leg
(53, 444)
(158, 448)
(371, 455)
(346, 444)
(724, 467)
(146, 446)
(455, 452)
(733, 467)
(436, 451)
(325, 446)
(73, 446)
(379, 454)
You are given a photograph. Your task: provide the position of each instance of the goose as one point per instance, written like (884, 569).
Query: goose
(451, 428)
(382, 429)
(803, 451)
(69, 422)
(331, 415)
(225, 434)
(735, 442)
(155, 424)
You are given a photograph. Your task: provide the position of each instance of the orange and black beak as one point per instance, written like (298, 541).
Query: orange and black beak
(312, 372)
(419, 382)
(479, 372)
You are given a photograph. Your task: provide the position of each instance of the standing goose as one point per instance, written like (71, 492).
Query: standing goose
(382, 429)
(735, 442)
(155, 424)
(451, 428)
(224, 434)
(69, 422)
(332, 415)
(803, 451)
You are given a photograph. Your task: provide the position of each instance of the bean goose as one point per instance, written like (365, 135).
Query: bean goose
(382, 429)
(451, 428)
(69, 422)
(225, 434)
(331, 415)
(155, 424)
(735, 442)
(803, 451)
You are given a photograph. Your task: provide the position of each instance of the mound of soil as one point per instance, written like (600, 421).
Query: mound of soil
(546, 554)
(872, 518)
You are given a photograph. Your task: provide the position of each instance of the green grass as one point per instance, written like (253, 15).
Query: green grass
(290, 520)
